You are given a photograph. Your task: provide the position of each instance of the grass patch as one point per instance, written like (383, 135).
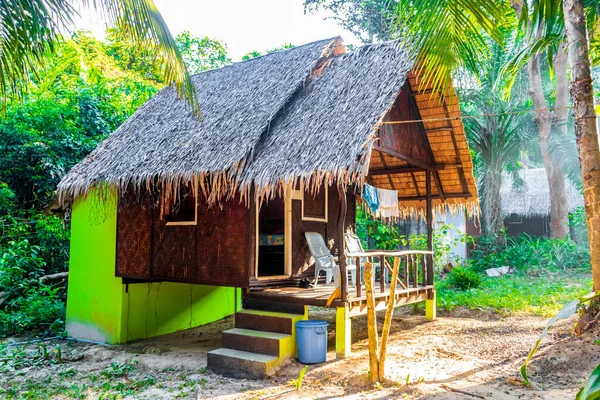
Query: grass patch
(542, 295)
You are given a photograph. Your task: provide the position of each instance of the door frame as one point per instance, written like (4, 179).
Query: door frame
(287, 244)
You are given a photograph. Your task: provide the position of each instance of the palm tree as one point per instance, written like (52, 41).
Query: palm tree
(29, 29)
(497, 132)
(432, 26)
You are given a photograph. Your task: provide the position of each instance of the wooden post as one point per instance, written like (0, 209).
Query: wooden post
(341, 245)
(389, 312)
(358, 276)
(429, 227)
(430, 306)
(343, 332)
(382, 274)
(371, 324)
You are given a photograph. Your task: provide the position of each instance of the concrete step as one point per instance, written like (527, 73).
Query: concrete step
(269, 321)
(250, 303)
(241, 364)
(269, 343)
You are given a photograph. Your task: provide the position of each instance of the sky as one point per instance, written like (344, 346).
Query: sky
(242, 25)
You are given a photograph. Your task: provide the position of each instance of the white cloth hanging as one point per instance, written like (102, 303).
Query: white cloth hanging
(388, 204)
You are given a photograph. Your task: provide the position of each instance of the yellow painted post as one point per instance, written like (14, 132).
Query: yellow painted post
(430, 308)
(343, 332)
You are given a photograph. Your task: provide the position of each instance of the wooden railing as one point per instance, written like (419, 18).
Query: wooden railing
(416, 269)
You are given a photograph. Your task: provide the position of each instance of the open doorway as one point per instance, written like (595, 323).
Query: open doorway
(271, 238)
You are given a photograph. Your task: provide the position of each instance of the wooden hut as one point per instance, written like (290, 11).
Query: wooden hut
(526, 205)
(170, 213)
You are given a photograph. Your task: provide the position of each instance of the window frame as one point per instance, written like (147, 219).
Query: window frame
(313, 218)
(183, 223)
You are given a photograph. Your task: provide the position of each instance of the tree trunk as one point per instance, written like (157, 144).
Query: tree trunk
(492, 208)
(556, 180)
(559, 216)
(559, 211)
(586, 130)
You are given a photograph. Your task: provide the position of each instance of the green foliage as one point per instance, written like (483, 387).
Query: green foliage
(118, 369)
(463, 278)
(528, 255)
(579, 226)
(255, 53)
(32, 29)
(517, 294)
(387, 237)
(301, 378)
(591, 389)
(86, 89)
(201, 54)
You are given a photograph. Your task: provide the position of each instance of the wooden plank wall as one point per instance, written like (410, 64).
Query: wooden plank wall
(215, 251)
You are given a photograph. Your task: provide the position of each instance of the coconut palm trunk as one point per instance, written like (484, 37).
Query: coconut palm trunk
(559, 212)
(543, 119)
(586, 130)
(492, 208)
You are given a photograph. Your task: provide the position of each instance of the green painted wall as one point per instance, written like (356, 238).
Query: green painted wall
(101, 308)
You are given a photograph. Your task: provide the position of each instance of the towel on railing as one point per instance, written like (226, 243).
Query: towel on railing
(388, 203)
(371, 197)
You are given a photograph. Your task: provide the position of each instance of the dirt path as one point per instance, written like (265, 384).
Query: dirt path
(480, 354)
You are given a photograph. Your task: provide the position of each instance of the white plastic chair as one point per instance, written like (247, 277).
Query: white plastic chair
(324, 261)
(354, 246)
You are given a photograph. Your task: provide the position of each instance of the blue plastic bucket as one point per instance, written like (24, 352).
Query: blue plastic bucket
(311, 337)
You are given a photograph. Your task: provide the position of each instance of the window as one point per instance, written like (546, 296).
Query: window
(514, 219)
(182, 209)
(314, 205)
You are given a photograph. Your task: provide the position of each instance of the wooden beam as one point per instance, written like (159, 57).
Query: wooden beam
(429, 218)
(341, 247)
(436, 175)
(390, 181)
(415, 184)
(405, 170)
(436, 197)
(409, 160)
(438, 184)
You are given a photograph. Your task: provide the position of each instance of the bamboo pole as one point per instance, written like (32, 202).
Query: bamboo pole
(388, 319)
(371, 324)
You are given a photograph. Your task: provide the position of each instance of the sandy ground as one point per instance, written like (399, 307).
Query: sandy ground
(476, 352)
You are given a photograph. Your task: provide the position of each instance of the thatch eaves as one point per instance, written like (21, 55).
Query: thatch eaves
(532, 197)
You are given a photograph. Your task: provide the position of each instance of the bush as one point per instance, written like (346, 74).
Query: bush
(463, 278)
(528, 254)
(41, 310)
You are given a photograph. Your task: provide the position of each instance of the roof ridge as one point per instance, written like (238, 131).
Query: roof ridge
(329, 40)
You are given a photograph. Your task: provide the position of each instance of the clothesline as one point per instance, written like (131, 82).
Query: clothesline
(383, 203)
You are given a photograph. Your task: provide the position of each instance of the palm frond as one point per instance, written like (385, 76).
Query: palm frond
(141, 22)
(28, 30)
(516, 64)
(447, 34)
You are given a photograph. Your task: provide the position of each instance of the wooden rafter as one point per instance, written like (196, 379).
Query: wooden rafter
(436, 175)
(402, 157)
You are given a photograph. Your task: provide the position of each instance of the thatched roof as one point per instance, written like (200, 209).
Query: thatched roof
(532, 197)
(165, 140)
(329, 127)
(308, 115)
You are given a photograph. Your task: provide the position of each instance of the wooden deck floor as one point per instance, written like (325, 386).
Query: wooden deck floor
(357, 305)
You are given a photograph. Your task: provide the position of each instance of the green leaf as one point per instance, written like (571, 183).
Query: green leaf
(301, 377)
(591, 389)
